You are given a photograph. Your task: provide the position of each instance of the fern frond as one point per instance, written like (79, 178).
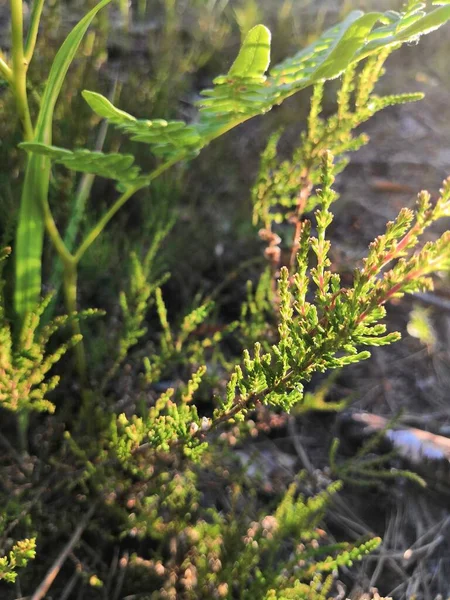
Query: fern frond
(246, 91)
(119, 167)
(166, 138)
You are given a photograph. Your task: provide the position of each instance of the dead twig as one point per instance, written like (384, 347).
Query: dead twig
(60, 560)
(298, 446)
(70, 586)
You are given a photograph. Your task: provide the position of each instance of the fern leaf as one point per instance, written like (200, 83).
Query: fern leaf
(111, 166)
(328, 56)
(254, 56)
(246, 92)
(165, 137)
(403, 30)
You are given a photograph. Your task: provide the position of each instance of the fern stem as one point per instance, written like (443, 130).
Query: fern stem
(19, 71)
(33, 30)
(103, 222)
(78, 206)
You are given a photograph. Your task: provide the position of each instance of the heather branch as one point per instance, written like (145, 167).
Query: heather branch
(329, 336)
(311, 342)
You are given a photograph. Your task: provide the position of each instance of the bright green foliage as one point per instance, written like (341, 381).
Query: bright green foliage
(254, 56)
(164, 137)
(318, 589)
(327, 333)
(25, 362)
(166, 423)
(237, 99)
(246, 91)
(18, 557)
(145, 465)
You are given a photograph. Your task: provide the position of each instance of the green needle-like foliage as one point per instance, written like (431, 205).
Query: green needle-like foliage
(329, 331)
(166, 423)
(321, 325)
(17, 558)
(25, 363)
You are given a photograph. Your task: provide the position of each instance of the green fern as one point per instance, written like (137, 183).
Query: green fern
(246, 91)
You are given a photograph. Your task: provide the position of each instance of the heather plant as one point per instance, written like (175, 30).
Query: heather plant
(143, 461)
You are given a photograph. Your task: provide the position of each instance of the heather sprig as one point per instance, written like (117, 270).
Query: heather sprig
(327, 330)
(18, 557)
(368, 470)
(25, 362)
(285, 191)
(165, 423)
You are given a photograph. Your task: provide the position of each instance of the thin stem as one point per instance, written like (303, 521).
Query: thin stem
(305, 192)
(79, 203)
(70, 285)
(62, 556)
(33, 30)
(19, 72)
(70, 295)
(55, 236)
(100, 226)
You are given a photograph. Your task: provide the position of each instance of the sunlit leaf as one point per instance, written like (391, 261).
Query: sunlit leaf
(254, 55)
